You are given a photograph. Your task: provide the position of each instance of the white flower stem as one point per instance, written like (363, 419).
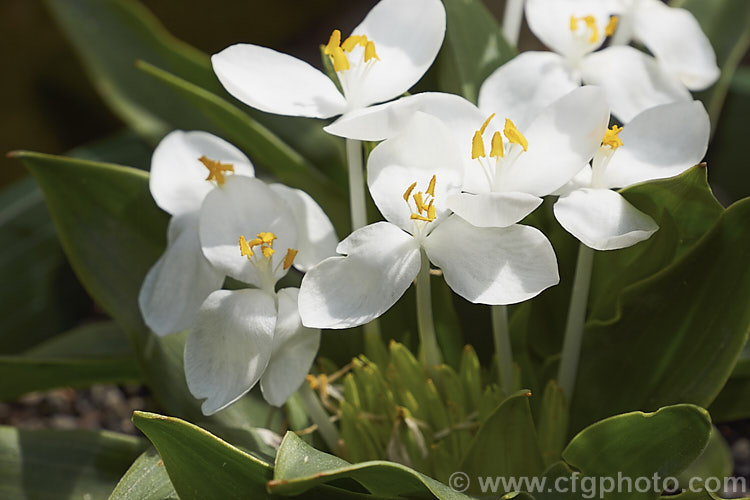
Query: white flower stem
(357, 204)
(374, 347)
(571, 351)
(318, 415)
(503, 349)
(430, 351)
(512, 20)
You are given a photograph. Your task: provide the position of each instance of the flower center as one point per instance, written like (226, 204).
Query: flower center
(216, 169)
(610, 143)
(586, 32)
(424, 202)
(501, 154)
(263, 261)
(351, 60)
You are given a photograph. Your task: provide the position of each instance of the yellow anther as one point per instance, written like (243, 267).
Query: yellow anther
(498, 149)
(370, 52)
(431, 210)
(486, 123)
(407, 194)
(352, 42)
(216, 170)
(431, 187)
(477, 146)
(573, 23)
(291, 253)
(245, 249)
(591, 25)
(340, 61)
(611, 26)
(514, 136)
(333, 43)
(419, 202)
(255, 242)
(268, 251)
(420, 217)
(267, 237)
(611, 137)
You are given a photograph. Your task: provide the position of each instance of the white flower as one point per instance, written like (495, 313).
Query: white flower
(385, 56)
(254, 233)
(658, 143)
(671, 34)
(185, 167)
(632, 80)
(411, 176)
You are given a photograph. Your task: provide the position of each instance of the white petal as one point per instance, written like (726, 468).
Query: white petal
(522, 87)
(425, 148)
(179, 282)
(660, 142)
(602, 219)
(316, 237)
(343, 292)
(493, 209)
(549, 20)
(633, 81)
(582, 179)
(676, 39)
(562, 139)
(244, 206)
(178, 180)
(276, 83)
(407, 38)
(294, 350)
(493, 265)
(229, 348)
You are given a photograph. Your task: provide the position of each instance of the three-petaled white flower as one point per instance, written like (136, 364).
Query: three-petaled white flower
(385, 56)
(185, 167)
(633, 81)
(658, 143)
(254, 233)
(411, 176)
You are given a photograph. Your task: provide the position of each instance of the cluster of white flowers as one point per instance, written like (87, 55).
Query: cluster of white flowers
(451, 179)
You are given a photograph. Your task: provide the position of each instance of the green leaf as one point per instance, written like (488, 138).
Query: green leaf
(109, 37)
(146, 479)
(732, 402)
(474, 47)
(199, 464)
(683, 329)
(63, 464)
(553, 423)
(260, 144)
(506, 444)
(92, 354)
(112, 232)
(727, 25)
(39, 295)
(714, 462)
(638, 445)
(300, 467)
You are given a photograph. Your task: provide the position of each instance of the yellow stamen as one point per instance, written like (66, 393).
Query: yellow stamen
(216, 170)
(431, 187)
(573, 23)
(333, 42)
(514, 136)
(408, 192)
(611, 137)
(477, 146)
(370, 52)
(431, 210)
(498, 149)
(267, 238)
(268, 251)
(254, 243)
(421, 217)
(340, 61)
(352, 42)
(591, 25)
(245, 249)
(611, 26)
(291, 253)
(419, 202)
(486, 123)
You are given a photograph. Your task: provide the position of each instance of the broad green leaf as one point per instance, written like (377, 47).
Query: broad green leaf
(300, 467)
(146, 479)
(727, 25)
(261, 145)
(506, 443)
(73, 464)
(474, 47)
(714, 461)
(39, 294)
(732, 402)
(638, 445)
(112, 232)
(110, 36)
(676, 335)
(199, 464)
(92, 354)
